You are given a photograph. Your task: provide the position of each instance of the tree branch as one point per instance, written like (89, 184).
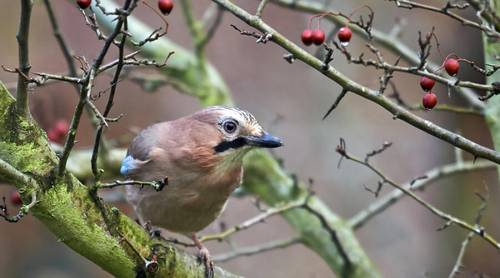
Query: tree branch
(256, 249)
(429, 177)
(450, 220)
(24, 63)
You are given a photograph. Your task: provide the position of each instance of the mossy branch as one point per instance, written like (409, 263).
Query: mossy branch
(66, 208)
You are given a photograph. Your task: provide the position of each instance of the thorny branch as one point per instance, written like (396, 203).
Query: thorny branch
(419, 183)
(381, 64)
(261, 38)
(332, 73)
(440, 107)
(389, 41)
(450, 220)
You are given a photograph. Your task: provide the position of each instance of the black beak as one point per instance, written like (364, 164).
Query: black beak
(264, 141)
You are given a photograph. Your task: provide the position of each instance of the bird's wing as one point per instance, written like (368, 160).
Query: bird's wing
(139, 151)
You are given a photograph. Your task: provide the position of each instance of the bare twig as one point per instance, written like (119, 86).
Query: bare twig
(252, 221)
(24, 63)
(17, 177)
(457, 267)
(87, 86)
(156, 185)
(4, 213)
(446, 11)
(257, 249)
(109, 104)
(420, 183)
(261, 7)
(451, 220)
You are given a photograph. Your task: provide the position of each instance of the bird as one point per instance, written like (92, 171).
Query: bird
(200, 157)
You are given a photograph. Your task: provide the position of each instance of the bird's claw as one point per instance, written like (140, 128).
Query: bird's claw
(153, 231)
(204, 257)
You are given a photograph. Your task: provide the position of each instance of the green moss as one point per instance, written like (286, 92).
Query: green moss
(26, 157)
(61, 211)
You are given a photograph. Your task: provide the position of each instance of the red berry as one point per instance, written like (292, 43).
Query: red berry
(318, 37)
(307, 37)
(83, 3)
(15, 198)
(427, 83)
(165, 6)
(429, 100)
(451, 66)
(344, 34)
(61, 127)
(53, 135)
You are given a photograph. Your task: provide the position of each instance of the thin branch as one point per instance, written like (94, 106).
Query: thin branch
(446, 11)
(24, 63)
(4, 213)
(60, 39)
(261, 7)
(486, 13)
(459, 262)
(156, 185)
(257, 249)
(13, 175)
(109, 104)
(252, 221)
(429, 177)
(87, 87)
(381, 64)
(478, 230)
(212, 19)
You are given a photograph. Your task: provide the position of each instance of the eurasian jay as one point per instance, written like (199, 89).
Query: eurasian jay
(201, 154)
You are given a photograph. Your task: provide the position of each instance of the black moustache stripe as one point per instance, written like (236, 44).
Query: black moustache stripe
(234, 144)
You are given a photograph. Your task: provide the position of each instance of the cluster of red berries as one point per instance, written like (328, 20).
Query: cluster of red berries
(317, 36)
(451, 65)
(313, 36)
(58, 132)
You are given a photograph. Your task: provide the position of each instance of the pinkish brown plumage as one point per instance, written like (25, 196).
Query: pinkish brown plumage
(201, 154)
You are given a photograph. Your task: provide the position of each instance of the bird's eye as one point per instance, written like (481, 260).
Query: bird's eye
(230, 126)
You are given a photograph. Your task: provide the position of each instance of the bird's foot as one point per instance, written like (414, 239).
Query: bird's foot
(204, 257)
(153, 231)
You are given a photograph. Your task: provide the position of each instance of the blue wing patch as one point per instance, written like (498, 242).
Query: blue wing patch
(128, 164)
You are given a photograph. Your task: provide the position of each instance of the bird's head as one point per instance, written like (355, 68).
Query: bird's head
(237, 131)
